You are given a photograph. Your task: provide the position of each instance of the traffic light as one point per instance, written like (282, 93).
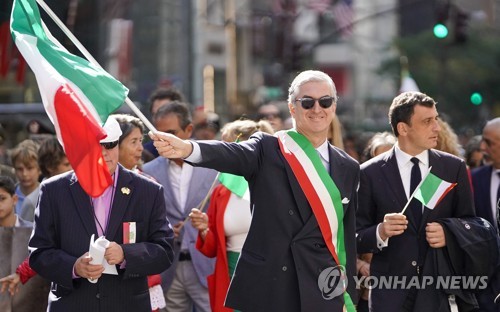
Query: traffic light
(440, 31)
(442, 10)
(476, 98)
(460, 26)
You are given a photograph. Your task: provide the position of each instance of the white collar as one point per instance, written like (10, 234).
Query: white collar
(403, 158)
(17, 224)
(324, 152)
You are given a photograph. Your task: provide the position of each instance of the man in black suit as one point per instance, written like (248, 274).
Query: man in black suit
(65, 220)
(486, 185)
(400, 241)
(288, 261)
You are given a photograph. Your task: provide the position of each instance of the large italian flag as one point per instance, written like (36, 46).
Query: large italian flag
(77, 96)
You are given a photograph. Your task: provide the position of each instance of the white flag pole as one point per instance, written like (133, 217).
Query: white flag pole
(416, 189)
(91, 59)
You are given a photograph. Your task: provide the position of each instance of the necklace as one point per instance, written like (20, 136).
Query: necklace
(105, 228)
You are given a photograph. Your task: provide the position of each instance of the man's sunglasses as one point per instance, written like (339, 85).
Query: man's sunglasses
(308, 103)
(109, 145)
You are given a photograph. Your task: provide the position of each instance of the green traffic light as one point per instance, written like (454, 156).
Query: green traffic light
(476, 98)
(440, 31)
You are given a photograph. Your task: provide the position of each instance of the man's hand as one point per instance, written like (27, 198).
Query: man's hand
(434, 234)
(393, 224)
(170, 146)
(84, 269)
(12, 282)
(177, 228)
(114, 254)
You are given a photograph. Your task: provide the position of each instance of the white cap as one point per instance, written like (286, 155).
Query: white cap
(112, 129)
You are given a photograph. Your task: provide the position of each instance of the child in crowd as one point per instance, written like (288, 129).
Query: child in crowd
(25, 161)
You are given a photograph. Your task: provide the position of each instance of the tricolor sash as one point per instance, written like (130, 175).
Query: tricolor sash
(321, 193)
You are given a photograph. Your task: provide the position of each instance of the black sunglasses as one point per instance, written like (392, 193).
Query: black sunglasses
(308, 103)
(109, 145)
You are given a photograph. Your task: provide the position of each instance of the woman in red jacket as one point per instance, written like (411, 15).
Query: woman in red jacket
(223, 229)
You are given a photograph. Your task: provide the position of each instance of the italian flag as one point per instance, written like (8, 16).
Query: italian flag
(236, 184)
(77, 96)
(432, 190)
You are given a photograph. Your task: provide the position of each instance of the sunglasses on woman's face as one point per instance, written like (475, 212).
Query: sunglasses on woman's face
(109, 145)
(308, 103)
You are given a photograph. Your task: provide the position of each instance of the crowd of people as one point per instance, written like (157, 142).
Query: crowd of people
(281, 214)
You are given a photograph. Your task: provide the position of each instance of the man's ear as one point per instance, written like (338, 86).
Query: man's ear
(189, 129)
(291, 109)
(402, 128)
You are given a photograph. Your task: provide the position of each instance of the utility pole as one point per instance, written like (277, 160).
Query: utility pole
(231, 57)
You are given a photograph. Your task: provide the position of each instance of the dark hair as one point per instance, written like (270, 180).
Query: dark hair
(403, 105)
(8, 184)
(127, 124)
(180, 109)
(50, 155)
(165, 93)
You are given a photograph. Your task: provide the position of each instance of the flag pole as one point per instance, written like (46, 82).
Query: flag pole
(416, 189)
(92, 60)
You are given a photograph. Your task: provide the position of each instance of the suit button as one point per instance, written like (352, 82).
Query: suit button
(284, 268)
(98, 296)
(414, 263)
(290, 212)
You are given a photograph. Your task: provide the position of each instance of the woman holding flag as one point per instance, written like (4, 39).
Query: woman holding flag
(224, 228)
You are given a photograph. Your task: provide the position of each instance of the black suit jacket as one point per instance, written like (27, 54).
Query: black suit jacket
(284, 252)
(381, 191)
(481, 183)
(64, 223)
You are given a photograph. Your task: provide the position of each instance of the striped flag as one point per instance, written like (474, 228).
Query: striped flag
(236, 184)
(77, 95)
(432, 190)
(344, 16)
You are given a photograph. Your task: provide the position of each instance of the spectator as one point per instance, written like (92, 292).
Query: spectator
(24, 158)
(223, 230)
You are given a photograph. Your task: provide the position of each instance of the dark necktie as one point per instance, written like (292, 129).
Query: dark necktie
(415, 205)
(498, 205)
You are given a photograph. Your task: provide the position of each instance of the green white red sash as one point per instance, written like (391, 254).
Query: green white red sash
(321, 193)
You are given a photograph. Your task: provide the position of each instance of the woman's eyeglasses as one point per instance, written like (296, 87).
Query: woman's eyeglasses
(109, 145)
(308, 103)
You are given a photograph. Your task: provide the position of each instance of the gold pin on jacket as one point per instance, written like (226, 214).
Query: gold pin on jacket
(125, 190)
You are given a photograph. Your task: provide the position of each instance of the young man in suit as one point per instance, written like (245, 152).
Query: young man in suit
(65, 219)
(303, 200)
(185, 283)
(399, 242)
(486, 184)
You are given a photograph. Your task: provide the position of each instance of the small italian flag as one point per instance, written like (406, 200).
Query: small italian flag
(236, 184)
(432, 190)
(77, 95)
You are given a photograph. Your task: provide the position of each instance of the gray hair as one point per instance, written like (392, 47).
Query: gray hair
(308, 76)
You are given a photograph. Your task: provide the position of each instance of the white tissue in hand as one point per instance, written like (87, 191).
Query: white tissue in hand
(97, 249)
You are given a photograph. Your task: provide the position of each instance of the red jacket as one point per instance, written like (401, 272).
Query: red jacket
(215, 246)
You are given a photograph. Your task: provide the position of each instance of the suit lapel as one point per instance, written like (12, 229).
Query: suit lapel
(83, 206)
(120, 203)
(195, 185)
(337, 171)
(392, 178)
(164, 179)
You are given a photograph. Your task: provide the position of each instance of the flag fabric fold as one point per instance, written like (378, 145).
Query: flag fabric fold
(432, 190)
(77, 95)
(236, 184)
